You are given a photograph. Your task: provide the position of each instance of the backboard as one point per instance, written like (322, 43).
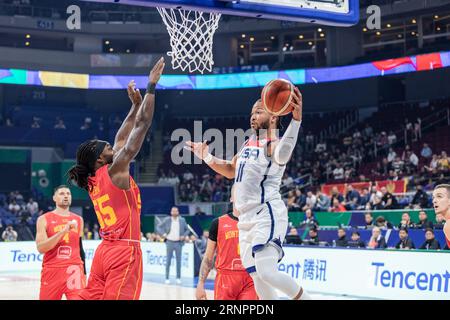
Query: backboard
(326, 12)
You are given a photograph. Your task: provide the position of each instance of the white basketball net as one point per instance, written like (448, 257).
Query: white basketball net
(191, 38)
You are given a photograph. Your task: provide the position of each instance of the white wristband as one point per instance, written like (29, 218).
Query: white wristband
(208, 158)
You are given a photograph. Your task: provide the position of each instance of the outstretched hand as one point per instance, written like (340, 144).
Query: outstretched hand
(134, 94)
(156, 72)
(200, 149)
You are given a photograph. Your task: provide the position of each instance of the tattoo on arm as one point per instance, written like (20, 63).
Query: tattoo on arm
(205, 268)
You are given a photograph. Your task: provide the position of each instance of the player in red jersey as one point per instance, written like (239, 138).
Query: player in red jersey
(58, 237)
(441, 204)
(232, 280)
(103, 171)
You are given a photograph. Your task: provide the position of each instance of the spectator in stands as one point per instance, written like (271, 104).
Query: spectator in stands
(398, 165)
(9, 234)
(338, 172)
(300, 198)
(405, 243)
(35, 124)
(313, 238)
(199, 212)
(382, 223)
(59, 124)
(188, 176)
(336, 195)
(87, 124)
(368, 131)
(430, 241)
(287, 180)
(291, 201)
(444, 162)
(9, 123)
(342, 239)
(417, 129)
(95, 232)
(323, 201)
(292, 237)
(173, 178)
(87, 235)
(434, 162)
(391, 155)
(424, 223)
(426, 151)
(374, 193)
(420, 199)
(352, 198)
(311, 200)
(412, 162)
(368, 218)
(309, 221)
(440, 221)
(150, 236)
(32, 207)
(389, 200)
(377, 204)
(14, 207)
(392, 138)
(337, 206)
(406, 221)
(377, 241)
(356, 241)
(321, 147)
(309, 142)
(409, 129)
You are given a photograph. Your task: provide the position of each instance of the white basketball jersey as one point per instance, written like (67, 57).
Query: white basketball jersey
(257, 177)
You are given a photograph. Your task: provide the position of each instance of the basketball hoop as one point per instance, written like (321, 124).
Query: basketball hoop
(191, 38)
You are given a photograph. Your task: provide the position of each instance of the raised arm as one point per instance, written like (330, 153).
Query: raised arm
(282, 150)
(43, 242)
(119, 170)
(223, 167)
(128, 123)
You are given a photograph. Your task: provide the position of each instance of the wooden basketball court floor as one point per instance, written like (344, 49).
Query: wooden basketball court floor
(25, 286)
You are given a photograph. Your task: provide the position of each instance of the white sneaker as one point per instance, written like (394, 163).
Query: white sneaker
(167, 281)
(178, 281)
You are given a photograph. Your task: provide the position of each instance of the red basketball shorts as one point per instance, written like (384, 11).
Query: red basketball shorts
(234, 285)
(59, 281)
(116, 272)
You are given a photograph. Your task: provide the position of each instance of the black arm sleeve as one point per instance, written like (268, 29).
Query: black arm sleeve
(213, 230)
(82, 255)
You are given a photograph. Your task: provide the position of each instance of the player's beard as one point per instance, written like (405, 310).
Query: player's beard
(261, 129)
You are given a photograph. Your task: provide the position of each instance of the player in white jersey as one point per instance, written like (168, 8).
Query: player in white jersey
(263, 221)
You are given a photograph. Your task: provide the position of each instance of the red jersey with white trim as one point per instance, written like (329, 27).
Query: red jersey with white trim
(118, 211)
(225, 233)
(67, 251)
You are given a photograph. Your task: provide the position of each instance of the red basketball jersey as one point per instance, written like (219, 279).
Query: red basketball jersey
(67, 251)
(118, 211)
(228, 255)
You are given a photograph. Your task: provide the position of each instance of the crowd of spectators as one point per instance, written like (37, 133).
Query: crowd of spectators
(18, 217)
(377, 240)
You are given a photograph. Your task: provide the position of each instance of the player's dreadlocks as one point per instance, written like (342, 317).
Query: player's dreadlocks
(87, 154)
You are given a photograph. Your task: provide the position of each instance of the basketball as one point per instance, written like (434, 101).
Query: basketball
(277, 96)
